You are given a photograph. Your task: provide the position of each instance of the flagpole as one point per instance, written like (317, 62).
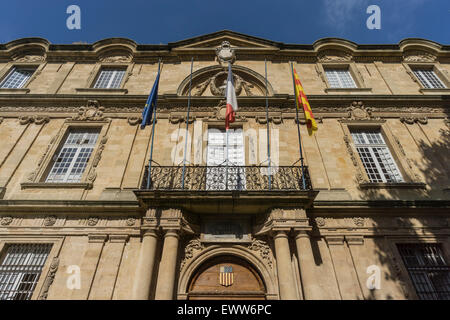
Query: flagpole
(153, 136)
(226, 137)
(268, 128)
(187, 126)
(298, 129)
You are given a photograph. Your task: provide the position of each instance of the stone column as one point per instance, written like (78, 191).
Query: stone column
(167, 267)
(306, 263)
(286, 279)
(144, 269)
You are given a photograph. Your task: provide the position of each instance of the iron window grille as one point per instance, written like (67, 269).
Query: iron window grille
(340, 78)
(20, 269)
(376, 157)
(428, 270)
(109, 79)
(429, 79)
(71, 161)
(17, 78)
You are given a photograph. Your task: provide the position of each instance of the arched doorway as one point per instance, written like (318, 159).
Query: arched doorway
(226, 277)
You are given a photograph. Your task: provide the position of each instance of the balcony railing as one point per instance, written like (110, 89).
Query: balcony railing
(228, 178)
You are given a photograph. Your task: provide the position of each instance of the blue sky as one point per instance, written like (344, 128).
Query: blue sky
(163, 21)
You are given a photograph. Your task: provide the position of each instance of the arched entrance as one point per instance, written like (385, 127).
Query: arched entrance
(226, 277)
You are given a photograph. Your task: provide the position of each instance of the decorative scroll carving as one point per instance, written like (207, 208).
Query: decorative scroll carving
(116, 59)
(201, 87)
(320, 222)
(98, 154)
(92, 221)
(359, 221)
(49, 279)
(5, 221)
(412, 120)
(91, 112)
(134, 120)
(418, 56)
(191, 248)
(31, 58)
(358, 111)
(273, 119)
(32, 176)
(263, 249)
(225, 54)
(350, 150)
(49, 221)
(130, 221)
(218, 83)
(37, 119)
(333, 56)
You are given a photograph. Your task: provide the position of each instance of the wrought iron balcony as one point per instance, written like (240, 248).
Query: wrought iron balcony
(228, 178)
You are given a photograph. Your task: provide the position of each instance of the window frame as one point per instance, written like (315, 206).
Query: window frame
(96, 71)
(394, 241)
(11, 66)
(400, 161)
(56, 243)
(55, 146)
(435, 67)
(353, 71)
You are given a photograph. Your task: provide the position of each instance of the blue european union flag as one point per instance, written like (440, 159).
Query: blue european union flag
(150, 106)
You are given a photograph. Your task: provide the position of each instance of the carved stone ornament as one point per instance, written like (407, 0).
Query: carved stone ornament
(358, 221)
(412, 120)
(333, 56)
(49, 221)
(5, 221)
(32, 175)
(31, 58)
(320, 222)
(225, 54)
(116, 59)
(418, 56)
(131, 221)
(218, 83)
(357, 111)
(263, 249)
(190, 249)
(134, 120)
(49, 279)
(91, 112)
(220, 110)
(92, 221)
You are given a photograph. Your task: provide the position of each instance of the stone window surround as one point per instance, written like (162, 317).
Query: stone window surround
(95, 73)
(354, 72)
(401, 162)
(56, 243)
(436, 68)
(398, 263)
(4, 72)
(47, 161)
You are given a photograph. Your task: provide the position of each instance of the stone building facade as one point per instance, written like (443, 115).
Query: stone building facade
(77, 220)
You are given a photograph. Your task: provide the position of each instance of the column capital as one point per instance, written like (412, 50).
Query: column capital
(354, 239)
(171, 232)
(302, 233)
(334, 240)
(97, 238)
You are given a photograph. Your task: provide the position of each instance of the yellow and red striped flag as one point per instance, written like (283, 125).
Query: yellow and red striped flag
(303, 101)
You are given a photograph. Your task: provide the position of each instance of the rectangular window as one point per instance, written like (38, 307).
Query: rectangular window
(71, 161)
(20, 269)
(376, 157)
(428, 79)
(219, 175)
(428, 270)
(17, 78)
(109, 79)
(340, 78)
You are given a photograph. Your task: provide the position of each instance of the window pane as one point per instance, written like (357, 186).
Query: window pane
(71, 161)
(109, 79)
(20, 270)
(17, 78)
(429, 79)
(340, 78)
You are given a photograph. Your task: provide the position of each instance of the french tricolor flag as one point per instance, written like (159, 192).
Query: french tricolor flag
(232, 105)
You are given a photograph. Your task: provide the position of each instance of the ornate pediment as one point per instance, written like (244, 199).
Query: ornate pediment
(214, 40)
(331, 55)
(211, 81)
(418, 56)
(92, 111)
